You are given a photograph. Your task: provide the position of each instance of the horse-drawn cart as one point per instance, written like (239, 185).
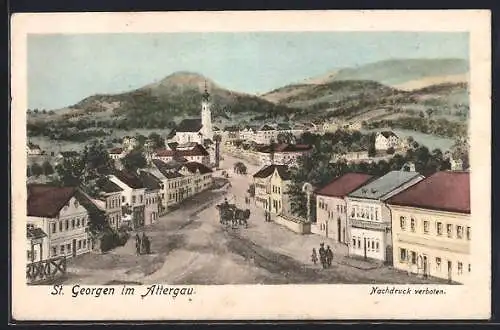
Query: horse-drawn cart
(230, 214)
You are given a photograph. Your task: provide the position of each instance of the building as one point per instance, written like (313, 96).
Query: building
(282, 153)
(190, 152)
(130, 143)
(57, 212)
(331, 206)
(199, 177)
(117, 153)
(151, 197)
(110, 197)
(353, 157)
(196, 129)
(248, 133)
(66, 155)
(369, 218)
(132, 197)
(33, 149)
(271, 184)
(36, 240)
(431, 227)
(385, 140)
(265, 134)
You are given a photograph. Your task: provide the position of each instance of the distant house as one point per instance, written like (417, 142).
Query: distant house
(387, 139)
(33, 149)
(331, 206)
(265, 134)
(110, 197)
(36, 240)
(352, 156)
(191, 152)
(66, 155)
(151, 197)
(248, 133)
(282, 153)
(59, 213)
(130, 143)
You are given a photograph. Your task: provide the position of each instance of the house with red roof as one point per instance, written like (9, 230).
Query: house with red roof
(193, 152)
(60, 214)
(431, 227)
(282, 153)
(331, 206)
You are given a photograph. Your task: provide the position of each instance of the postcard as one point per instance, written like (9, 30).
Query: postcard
(273, 165)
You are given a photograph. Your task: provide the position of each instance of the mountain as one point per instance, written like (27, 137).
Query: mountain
(397, 72)
(175, 97)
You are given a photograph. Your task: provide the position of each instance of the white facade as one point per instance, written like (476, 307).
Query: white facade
(265, 136)
(383, 143)
(67, 233)
(188, 137)
(151, 206)
(331, 218)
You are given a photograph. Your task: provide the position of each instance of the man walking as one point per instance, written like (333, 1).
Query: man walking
(322, 255)
(329, 256)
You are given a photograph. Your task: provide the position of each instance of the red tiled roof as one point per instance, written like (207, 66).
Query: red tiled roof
(130, 179)
(444, 191)
(345, 184)
(116, 151)
(46, 200)
(197, 150)
(193, 166)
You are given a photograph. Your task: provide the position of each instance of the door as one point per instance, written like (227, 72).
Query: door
(339, 230)
(426, 268)
(364, 246)
(449, 271)
(74, 248)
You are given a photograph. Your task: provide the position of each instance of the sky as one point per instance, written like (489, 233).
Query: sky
(64, 68)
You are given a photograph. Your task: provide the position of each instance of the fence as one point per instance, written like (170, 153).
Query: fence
(48, 269)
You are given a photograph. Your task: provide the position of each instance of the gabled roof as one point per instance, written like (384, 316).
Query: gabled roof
(149, 181)
(33, 146)
(267, 171)
(194, 166)
(47, 200)
(189, 125)
(129, 178)
(34, 232)
(444, 191)
(266, 127)
(169, 170)
(108, 186)
(388, 134)
(116, 151)
(345, 184)
(284, 147)
(382, 186)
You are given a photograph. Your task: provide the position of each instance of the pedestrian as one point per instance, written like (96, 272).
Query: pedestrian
(322, 255)
(137, 244)
(329, 256)
(143, 241)
(147, 244)
(314, 256)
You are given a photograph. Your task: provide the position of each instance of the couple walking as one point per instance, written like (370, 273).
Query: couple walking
(325, 256)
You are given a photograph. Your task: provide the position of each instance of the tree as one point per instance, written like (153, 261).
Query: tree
(285, 137)
(47, 168)
(251, 190)
(96, 159)
(36, 169)
(240, 168)
(134, 160)
(70, 172)
(158, 141)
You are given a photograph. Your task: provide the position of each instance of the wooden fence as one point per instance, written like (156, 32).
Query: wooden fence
(45, 269)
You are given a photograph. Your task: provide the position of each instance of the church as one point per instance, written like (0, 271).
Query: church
(197, 130)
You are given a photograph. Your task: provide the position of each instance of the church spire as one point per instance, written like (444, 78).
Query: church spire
(206, 96)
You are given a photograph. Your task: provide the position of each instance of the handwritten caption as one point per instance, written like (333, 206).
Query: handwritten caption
(77, 291)
(379, 290)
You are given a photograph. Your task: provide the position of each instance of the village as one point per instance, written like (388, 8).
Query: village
(158, 214)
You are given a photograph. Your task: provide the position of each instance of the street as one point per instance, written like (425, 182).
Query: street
(190, 246)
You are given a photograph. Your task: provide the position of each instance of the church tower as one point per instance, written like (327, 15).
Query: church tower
(206, 116)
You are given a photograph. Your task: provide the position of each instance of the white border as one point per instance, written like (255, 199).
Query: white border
(263, 301)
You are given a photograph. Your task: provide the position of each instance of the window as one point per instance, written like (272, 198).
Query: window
(439, 228)
(377, 246)
(140, 199)
(469, 268)
(459, 268)
(123, 199)
(84, 244)
(402, 255)
(54, 251)
(68, 246)
(426, 227)
(66, 224)
(468, 233)
(373, 245)
(460, 232)
(76, 203)
(72, 223)
(354, 242)
(412, 225)
(359, 243)
(133, 199)
(53, 227)
(78, 222)
(79, 244)
(438, 264)
(402, 223)
(62, 249)
(60, 226)
(413, 257)
(449, 230)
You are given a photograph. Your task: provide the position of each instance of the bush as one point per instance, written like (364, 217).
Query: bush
(111, 239)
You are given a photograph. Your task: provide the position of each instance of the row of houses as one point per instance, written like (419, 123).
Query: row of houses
(58, 217)
(415, 223)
